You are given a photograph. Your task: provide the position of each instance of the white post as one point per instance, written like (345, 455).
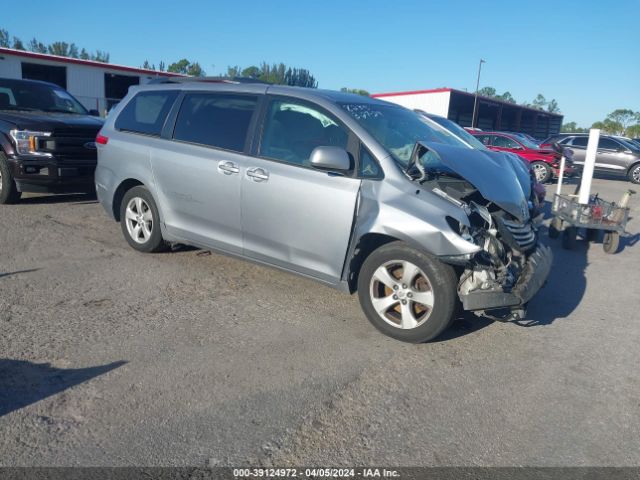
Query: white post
(560, 176)
(589, 164)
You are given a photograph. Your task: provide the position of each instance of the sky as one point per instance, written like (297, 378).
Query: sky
(585, 54)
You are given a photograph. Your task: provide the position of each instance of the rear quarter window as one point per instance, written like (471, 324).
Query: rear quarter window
(146, 112)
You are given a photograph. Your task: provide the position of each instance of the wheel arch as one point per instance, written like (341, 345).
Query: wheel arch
(366, 244)
(119, 193)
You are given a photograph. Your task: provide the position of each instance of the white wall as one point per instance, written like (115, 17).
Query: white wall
(435, 102)
(84, 82)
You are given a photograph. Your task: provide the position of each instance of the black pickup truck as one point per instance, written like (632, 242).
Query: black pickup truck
(47, 140)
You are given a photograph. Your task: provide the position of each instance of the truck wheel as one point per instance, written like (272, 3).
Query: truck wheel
(407, 294)
(140, 221)
(634, 173)
(8, 191)
(542, 171)
(569, 238)
(611, 242)
(555, 227)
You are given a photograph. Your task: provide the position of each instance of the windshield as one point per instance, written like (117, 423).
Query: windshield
(398, 129)
(19, 95)
(528, 143)
(457, 130)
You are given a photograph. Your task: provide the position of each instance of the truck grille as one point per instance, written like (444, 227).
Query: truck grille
(519, 235)
(71, 145)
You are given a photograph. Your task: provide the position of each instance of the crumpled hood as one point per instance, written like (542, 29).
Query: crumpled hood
(500, 177)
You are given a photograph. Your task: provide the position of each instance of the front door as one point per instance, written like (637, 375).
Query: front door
(293, 215)
(199, 172)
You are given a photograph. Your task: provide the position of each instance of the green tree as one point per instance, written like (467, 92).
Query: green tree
(161, 66)
(506, 97)
(539, 102)
(609, 126)
(37, 47)
(553, 107)
(59, 48)
(357, 91)
(147, 65)
(84, 55)
(487, 92)
(251, 72)
(633, 131)
(624, 117)
(4, 38)
(233, 72)
(185, 67)
(572, 127)
(17, 44)
(100, 56)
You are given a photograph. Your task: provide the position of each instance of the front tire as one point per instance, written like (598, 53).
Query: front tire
(634, 173)
(407, 294)
(8, 191)
(140, 221)
(542, 171)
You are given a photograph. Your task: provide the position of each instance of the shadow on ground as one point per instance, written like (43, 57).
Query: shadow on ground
(18, 272)
(77, 198)
(23, 383)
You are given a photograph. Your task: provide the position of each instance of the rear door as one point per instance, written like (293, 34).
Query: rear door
(613, 155)
(293, 215)
(198, 173)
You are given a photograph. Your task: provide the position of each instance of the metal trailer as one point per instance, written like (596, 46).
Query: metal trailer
(569, 215)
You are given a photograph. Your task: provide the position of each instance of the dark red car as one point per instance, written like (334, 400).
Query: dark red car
(544, 162)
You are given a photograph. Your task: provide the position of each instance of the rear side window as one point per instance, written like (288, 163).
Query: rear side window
(484, 139)
(215, 120)
(608, 144)
(580, 141)
(146, 112)
(504, 142)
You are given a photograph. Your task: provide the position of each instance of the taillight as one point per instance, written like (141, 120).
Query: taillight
(101, 139)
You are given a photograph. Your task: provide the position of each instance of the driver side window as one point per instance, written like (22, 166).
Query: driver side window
(292, 130)
(504, 142)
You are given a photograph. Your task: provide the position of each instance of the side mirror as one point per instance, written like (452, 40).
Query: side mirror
(94, 113)
(334, 159)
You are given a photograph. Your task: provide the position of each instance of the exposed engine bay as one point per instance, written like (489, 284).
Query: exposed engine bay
(501, 273)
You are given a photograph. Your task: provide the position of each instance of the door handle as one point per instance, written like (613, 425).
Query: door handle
(258, 174)
(228, 168)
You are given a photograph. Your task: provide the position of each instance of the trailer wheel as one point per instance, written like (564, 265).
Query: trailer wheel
(569, 236)
(555, 227)
(611, 242)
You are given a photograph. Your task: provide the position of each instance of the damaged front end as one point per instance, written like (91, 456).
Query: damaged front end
(500, 203)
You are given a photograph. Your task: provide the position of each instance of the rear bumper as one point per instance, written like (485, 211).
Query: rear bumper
(48, 175)
(532, 278)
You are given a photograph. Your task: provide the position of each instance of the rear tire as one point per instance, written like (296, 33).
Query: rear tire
(542, 171)
(611, 242)
(569, 238)
(555, 227)
(407, 294)
(140, 221)
(634, 173)
(8, 191)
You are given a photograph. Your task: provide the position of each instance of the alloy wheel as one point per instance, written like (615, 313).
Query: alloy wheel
(635, 174)
(139, 220)
(401, 294)
(540, 171)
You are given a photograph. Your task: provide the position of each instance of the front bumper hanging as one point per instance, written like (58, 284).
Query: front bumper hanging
(532, 278)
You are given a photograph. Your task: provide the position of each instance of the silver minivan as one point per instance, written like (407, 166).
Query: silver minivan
(353, 192)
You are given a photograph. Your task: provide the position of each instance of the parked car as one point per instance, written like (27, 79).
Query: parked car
(351, 191)
(615, 155)
(473, 142)
(544, 162)
(47, 140)
(526, 136)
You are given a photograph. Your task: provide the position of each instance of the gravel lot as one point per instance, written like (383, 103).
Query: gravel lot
(111, 357)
